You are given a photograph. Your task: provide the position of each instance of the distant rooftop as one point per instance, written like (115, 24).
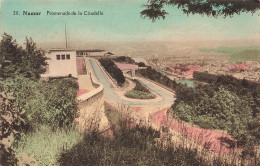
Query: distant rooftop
(62, 49)
(93, 50)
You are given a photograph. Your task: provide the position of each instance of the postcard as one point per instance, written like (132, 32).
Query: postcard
(129, 82)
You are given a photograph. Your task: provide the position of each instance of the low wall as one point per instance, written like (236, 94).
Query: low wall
(91, 115)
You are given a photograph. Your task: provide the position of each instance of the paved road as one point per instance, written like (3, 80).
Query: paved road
(111, 95)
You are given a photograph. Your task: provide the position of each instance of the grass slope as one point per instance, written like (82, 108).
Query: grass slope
(46, 145)
(129, 146)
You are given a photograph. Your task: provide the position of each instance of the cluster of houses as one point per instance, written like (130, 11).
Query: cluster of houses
(245, 70)
(184, 70)
(237, 67)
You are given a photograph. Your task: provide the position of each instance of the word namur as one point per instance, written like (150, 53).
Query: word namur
(31, 13)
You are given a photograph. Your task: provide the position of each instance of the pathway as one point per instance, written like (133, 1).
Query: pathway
(156, 112)
(167, 97)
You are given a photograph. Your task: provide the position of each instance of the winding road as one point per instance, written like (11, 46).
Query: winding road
(203, 137)
(167, 98)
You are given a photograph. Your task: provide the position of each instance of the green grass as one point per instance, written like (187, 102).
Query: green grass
(237, 54)
(47, 145)
(113, 116)
(129, 146)
(136, 94)
(137, 145)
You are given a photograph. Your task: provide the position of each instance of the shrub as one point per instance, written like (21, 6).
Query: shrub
(10, 124)
(51, 103)
(112, 69)
(140, 87)
(204, 76)
(184, 112)
(156, 76)
(141, 64)
(136, 94)
(224, 106)
(135, 146)
(124, 59)
(245, 89)
(61, 101)
(226, 103)
(140, 92)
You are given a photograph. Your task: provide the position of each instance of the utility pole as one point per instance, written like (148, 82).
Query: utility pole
(66, 35)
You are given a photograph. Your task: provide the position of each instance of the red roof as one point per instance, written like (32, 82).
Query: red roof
(183, 70)
(123, 66)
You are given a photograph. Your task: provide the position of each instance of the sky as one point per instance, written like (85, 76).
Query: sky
(121, 21)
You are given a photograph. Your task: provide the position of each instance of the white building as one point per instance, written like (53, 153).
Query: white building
(61, 63)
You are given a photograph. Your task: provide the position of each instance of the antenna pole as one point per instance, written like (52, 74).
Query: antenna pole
(66, 36)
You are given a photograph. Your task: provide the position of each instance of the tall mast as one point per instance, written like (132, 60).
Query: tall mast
(66, 36)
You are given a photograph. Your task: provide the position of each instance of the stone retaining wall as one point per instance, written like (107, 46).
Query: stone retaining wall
(91, 115)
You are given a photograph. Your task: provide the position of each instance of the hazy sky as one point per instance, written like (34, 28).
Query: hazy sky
(121, 22)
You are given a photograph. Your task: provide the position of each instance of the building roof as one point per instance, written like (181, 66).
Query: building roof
(61, 49)
(93, 50)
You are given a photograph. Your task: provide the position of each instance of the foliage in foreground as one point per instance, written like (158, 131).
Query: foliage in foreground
(10, 124)
(25, 103)
(52, 103)
(138, 145)
(155, 9)
(46, 145)
(129, 146)
(135, 146)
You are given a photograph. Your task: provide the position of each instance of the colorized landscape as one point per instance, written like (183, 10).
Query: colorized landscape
(143, 83)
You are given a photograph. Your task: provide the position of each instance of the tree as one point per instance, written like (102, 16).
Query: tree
(155, 8)
(10, 56)
(124, 59)
(33, 60)
(14, 59)
(141, 64)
